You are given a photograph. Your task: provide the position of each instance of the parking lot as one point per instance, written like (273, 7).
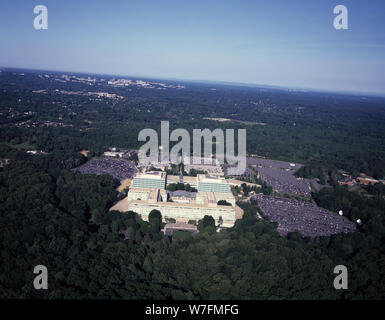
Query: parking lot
(305, 217)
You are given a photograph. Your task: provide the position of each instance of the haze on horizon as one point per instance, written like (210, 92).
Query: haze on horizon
(280, 43)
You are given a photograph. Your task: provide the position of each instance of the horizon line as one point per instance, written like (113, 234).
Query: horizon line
(218, 82)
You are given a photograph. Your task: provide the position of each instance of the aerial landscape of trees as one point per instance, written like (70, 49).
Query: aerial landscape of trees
(53, 216)
(60, 219)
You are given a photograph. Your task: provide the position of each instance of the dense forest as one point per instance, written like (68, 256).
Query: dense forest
(52, 216)
(60, 219)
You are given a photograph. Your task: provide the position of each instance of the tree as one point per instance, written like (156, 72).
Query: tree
(96, 216)
(207, 224)
(155, 219)
(181, 235)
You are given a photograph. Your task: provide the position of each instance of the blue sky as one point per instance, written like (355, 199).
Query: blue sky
(276, 42)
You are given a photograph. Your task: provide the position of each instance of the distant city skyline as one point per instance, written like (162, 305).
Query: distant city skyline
(277, 43)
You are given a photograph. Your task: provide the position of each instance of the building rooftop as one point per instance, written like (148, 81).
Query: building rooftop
(182, 193)
(180, 226)
(170, 228)
(136, 189)
(151, 175)
(210, 179)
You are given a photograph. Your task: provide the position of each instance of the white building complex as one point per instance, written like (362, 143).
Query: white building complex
(207, 183)
(148, 193)
(150, 180)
